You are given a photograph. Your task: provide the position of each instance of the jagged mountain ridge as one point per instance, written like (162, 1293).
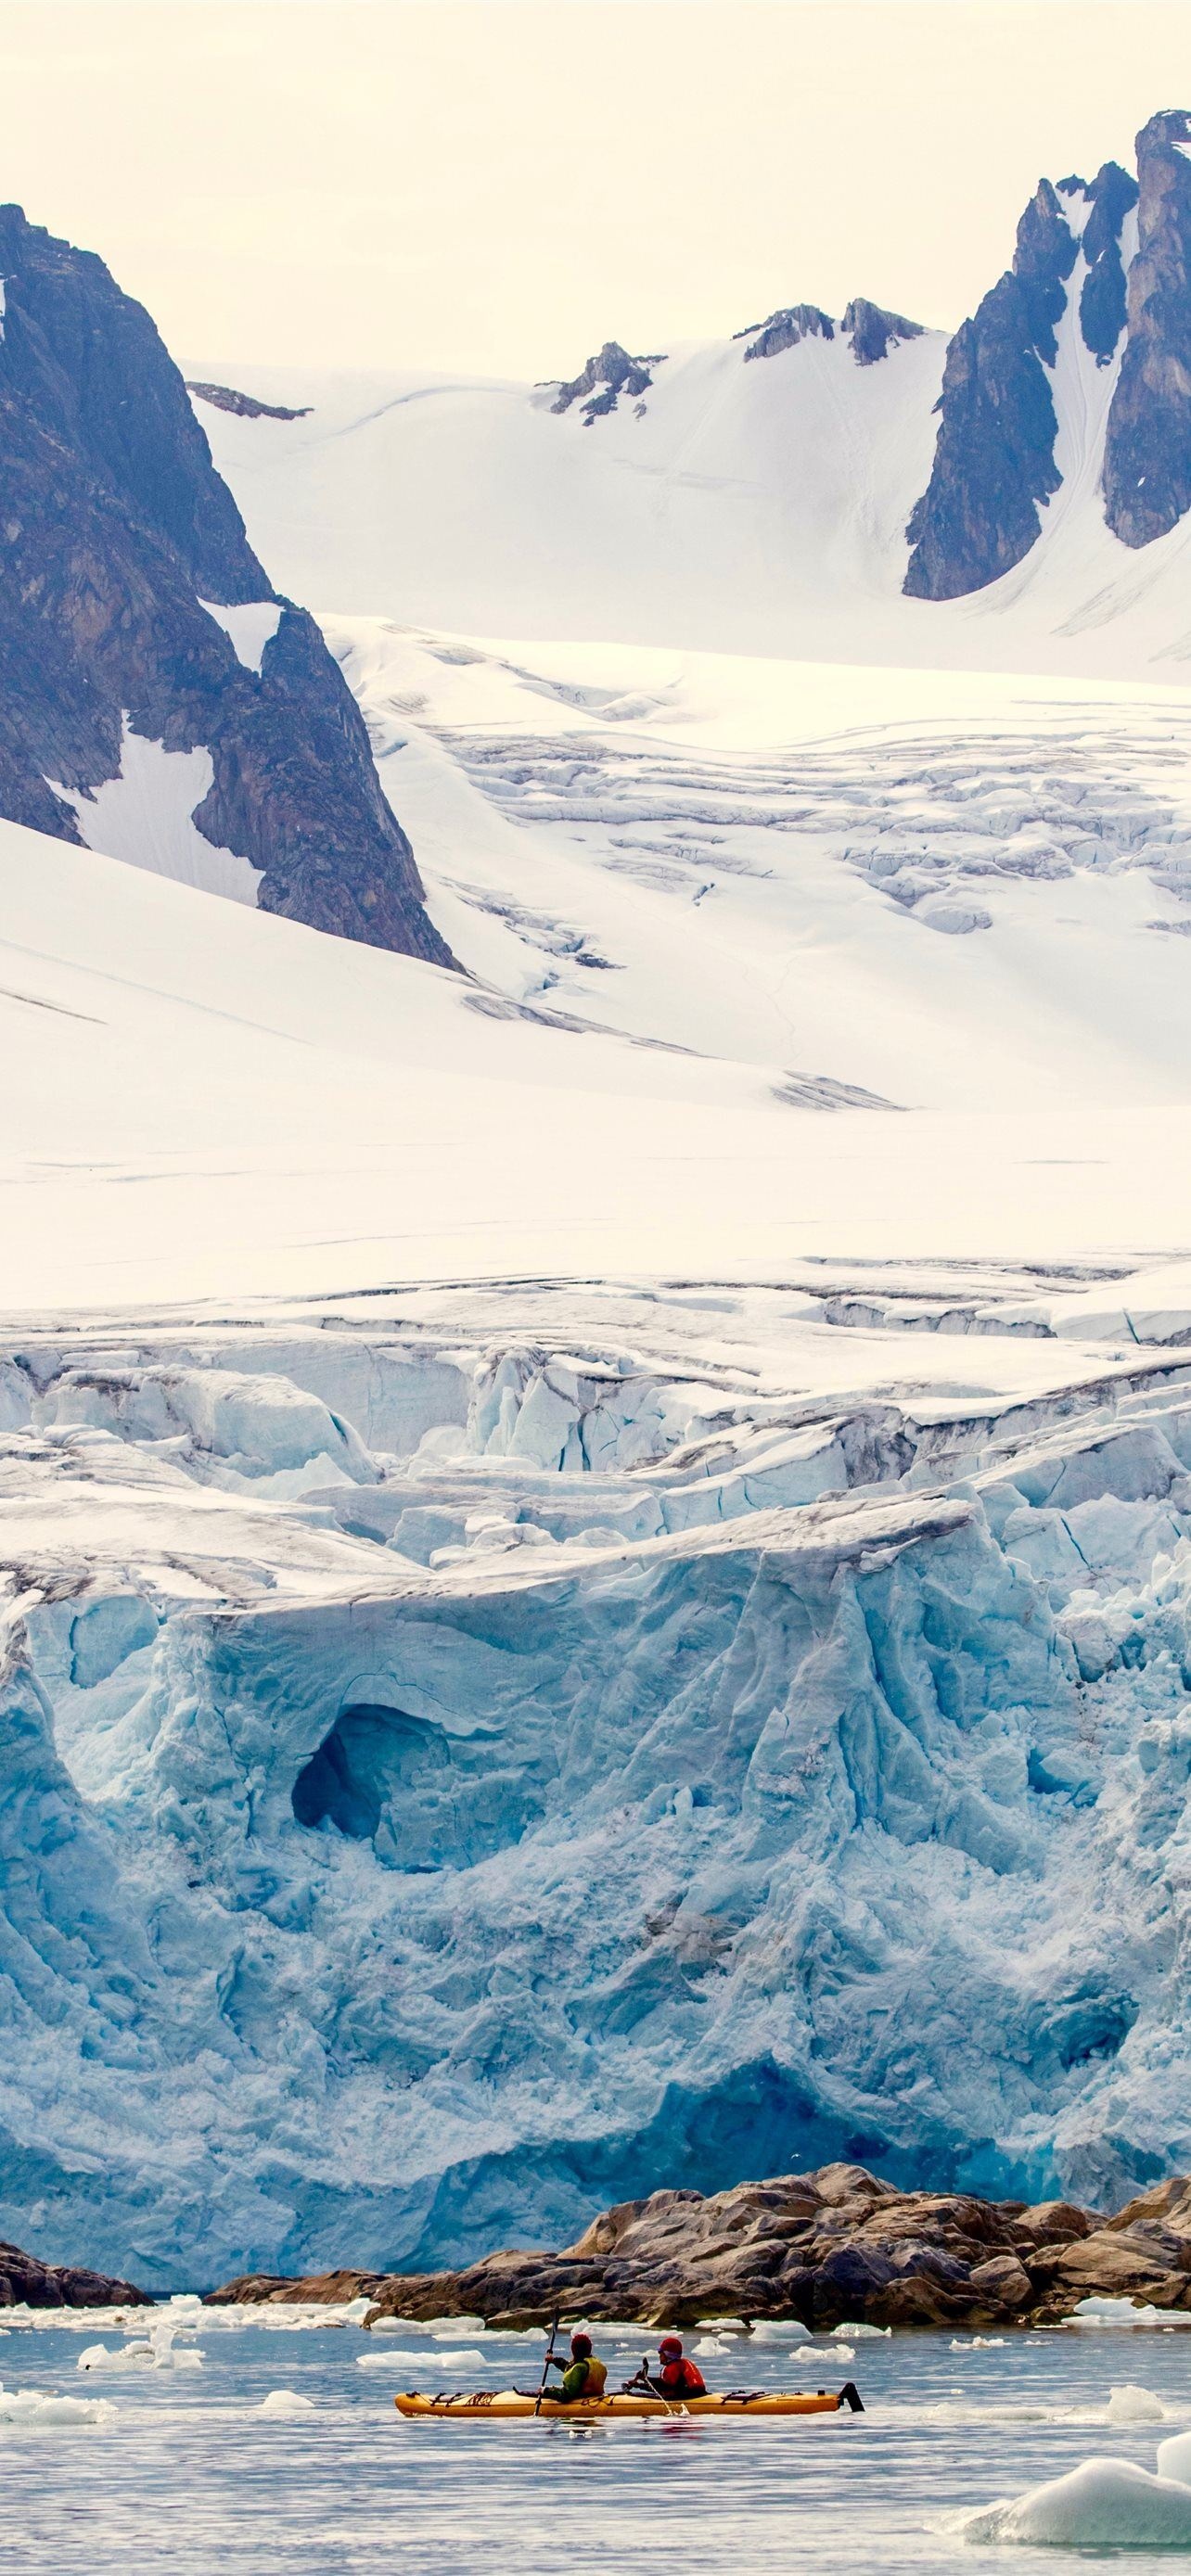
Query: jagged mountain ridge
(141, 639)
(872, 492)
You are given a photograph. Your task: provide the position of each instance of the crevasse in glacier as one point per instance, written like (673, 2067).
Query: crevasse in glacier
(457, 1772)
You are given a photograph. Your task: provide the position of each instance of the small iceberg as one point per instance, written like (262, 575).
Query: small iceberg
(158, 2350)
(1131, 2405)
(286, 2402)
(1103, 2504)
(1122, 2312)
(33, 2410)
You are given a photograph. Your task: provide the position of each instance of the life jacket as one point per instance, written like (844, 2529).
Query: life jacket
(597, 2373)
(683, 2377)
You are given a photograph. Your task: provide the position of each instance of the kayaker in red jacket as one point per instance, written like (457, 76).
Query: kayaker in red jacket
(678, 2377)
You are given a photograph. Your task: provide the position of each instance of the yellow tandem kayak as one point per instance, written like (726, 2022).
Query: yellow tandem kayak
(509, 2405)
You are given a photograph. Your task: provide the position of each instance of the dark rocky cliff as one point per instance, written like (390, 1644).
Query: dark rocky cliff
(1102, 301)
(114, 528)
(27, 2282)
(784, 330)
(994, 460)
(1147, 460)
(871, 332)
(606, 376)
(995, 455)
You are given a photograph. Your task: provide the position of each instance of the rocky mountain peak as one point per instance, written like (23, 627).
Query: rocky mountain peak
(994, 459)
(785, 329)
(1112, 196)
(872, 331)
(606, 376)
(121, 547)
(1147, 460)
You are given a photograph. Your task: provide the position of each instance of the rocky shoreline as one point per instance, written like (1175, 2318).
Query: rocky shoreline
(820, 2247)
(27, 2283)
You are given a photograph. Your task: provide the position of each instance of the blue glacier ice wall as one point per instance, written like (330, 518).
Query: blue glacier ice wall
(756, 1795)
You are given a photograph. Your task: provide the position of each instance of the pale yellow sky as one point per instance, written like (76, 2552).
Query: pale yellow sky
(501, 184)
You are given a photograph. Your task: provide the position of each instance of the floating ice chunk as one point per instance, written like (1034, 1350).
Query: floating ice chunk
(158, 2350)
(286, 2401)
(1129, 2404)
(979, 2343)
(1174, 2458)
(102, 2356)
(713, 2344)
(831, 2352)
(30, 2407)
(785, 2330)
(860, 2333)
(390, 2360)
(1102, 2504)
(1121, 2312)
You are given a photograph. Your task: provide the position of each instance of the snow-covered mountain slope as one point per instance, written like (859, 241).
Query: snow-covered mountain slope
(702, 973)
(754, 509)
(754, 495)
(740, 507)
(948, 891)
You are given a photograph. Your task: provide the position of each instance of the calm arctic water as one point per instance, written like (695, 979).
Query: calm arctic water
(189, 2477)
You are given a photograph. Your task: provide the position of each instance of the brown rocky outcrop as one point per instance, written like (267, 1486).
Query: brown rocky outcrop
(821, 2247)
(25, 2282)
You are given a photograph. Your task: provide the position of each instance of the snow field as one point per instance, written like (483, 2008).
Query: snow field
(754, 509)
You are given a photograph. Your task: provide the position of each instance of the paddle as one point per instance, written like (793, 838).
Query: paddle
(649, 2387)
(545, 2367)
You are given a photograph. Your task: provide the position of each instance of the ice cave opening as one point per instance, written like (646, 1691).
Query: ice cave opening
(368, 1755)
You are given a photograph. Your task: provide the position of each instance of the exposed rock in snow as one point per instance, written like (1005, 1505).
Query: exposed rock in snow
(1147, 457)
(1113, 194)
(871, 332)
(785, 329)
(118, 531)
(995, 459)
(606, 376)
(245, 406)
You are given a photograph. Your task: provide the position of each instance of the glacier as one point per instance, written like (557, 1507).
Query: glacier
(502, 1750)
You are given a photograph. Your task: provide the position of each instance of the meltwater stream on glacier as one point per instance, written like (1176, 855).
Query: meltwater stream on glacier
(182, 2471)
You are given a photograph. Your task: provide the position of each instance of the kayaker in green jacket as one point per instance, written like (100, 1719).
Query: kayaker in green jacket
(583, 2375)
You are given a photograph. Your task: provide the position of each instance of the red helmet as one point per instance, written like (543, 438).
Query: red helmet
(670, 2348)
(581, 2346)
